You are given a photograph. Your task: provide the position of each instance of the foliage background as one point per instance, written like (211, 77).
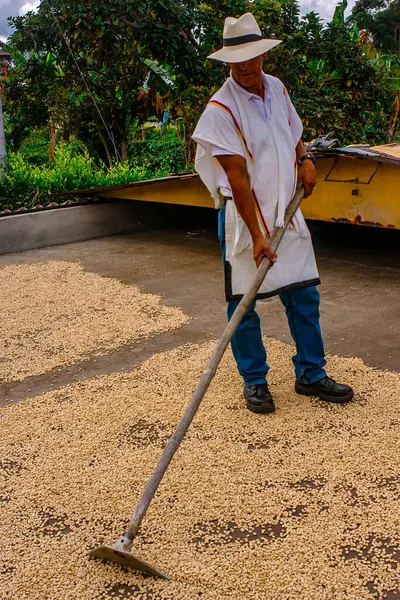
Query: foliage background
(139, 60)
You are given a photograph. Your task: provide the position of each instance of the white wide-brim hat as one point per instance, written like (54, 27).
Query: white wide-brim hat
(242, 40)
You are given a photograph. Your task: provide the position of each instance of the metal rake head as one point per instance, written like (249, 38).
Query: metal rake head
(127, 559)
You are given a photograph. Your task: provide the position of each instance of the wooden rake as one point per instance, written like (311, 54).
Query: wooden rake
(120, 552)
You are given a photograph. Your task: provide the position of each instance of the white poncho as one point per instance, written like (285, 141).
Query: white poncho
(269, 148)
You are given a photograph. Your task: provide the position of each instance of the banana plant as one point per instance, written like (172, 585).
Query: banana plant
(389, 67)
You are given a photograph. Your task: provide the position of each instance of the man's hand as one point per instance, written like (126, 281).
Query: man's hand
(262, 248)
(308, 177)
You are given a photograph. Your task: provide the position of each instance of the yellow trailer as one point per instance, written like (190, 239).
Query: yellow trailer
(356, 185)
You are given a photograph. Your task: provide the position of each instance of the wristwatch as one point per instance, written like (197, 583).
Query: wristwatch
(306, 157)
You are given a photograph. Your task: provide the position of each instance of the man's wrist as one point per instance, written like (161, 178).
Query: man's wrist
(306, 157)
(259, 237)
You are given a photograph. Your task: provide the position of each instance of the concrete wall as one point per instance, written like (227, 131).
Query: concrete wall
(53, 227)
(74, 224)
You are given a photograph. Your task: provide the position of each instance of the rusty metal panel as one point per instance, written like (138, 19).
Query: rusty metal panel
(362, 192)
(352, 171)
(389, 149)
(189, 191)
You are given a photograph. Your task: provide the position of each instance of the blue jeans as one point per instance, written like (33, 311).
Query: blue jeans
(302, 311)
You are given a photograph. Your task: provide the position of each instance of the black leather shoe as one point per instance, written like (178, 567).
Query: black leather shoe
(327, 390)
(259, 399)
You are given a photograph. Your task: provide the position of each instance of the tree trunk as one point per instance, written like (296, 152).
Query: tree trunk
(124, 150)
(190, 146)
(106, 148)
(53, 138)
(394, 119)
(177, 129)
(122, 128)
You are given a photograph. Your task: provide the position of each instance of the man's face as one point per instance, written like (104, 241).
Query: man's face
(249, 72)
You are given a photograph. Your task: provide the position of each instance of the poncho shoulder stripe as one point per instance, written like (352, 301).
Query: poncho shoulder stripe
(228, 110)
(258, 207)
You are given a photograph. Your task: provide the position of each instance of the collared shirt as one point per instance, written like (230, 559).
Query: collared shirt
(263, 107)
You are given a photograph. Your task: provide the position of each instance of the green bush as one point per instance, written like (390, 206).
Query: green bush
(163, 155)
(35, 147)
(27, 184)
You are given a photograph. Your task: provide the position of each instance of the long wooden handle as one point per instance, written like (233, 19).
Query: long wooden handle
(191, 410)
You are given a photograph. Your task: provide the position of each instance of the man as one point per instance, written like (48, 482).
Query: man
(250, 148)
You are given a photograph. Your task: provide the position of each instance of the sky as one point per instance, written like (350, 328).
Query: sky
(13, 8)
(325, 8)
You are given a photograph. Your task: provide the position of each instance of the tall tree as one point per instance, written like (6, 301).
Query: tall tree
(83, 59)
(381, 19)
(132, 53)
(188, 31)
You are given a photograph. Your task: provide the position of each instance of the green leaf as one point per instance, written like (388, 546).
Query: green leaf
(394, 83)
(50, 59)
(338, 17)
(354, 33)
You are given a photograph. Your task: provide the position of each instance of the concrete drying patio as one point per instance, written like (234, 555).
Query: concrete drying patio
(300, 504)
(360, 272)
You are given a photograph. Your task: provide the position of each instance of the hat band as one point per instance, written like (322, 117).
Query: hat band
(242, 39)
